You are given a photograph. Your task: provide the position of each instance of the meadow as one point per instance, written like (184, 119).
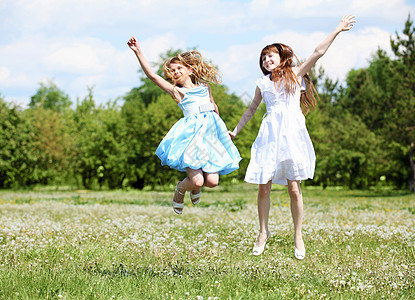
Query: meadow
(130, 245)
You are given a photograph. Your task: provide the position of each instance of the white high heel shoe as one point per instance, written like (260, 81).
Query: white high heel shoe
(256, 251)
(299, 254)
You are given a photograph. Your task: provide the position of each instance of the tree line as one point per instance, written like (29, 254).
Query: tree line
(363, 130)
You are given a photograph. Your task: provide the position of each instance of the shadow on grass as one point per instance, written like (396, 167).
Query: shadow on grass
(346, 193)
(172, 270)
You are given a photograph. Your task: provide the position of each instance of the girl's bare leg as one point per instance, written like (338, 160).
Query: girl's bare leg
(264, 191)
(193, 182)
(294, 189)
(211, 179)
(196, 179)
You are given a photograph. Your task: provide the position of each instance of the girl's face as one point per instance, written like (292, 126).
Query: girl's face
(270, 60)
(180, 72)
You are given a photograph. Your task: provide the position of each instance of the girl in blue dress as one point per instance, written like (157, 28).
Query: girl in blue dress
(198, 143)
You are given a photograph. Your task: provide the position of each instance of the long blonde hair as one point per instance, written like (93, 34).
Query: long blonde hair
(202, 71)
(284, 73)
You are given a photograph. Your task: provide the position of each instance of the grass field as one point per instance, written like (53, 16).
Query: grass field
(130, 245)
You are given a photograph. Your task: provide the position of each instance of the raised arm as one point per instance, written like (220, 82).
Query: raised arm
(247, 114)
(346, 23)
(160, 81)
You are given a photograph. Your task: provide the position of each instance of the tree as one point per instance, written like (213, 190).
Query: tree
(101, 144)
(51, 123)
(382, 96)
(85, 165)
(371, 93)
(49, 96)
(146, 127)
(404, 49)
(347, 151)
(17, 162)
(53, 143)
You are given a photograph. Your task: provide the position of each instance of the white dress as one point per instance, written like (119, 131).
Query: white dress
(283, 148)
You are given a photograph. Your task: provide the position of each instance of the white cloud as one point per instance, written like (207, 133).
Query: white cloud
(305, 5)
(349, 50)
(353, 49)
(77, 57)
(185, 16)
(391, 10)
(4, 73)
(232, 61)
(154, 46)
(75, 64)
(80, 43)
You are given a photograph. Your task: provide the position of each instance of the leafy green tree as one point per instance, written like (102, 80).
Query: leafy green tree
(53, 141)
(371, 92)
(49, 96)
(372, 96)
(101, 146)
(114, 151)
(51, 126)
(17, 161)
(404, 130)
(383, 97)
(146, 128)
(347, 151)
(86, 164)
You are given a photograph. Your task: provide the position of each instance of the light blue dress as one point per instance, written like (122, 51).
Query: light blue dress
(199, 140)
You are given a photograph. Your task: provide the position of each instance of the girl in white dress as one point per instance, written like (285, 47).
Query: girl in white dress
(283, 152)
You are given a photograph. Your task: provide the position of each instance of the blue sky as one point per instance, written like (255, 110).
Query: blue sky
(82, 43)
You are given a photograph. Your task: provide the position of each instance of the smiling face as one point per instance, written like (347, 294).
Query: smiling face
(179, 72)
(270, 60)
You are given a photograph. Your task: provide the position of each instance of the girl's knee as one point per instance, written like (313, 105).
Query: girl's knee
(197, 181)
(264, 190)
(294, 193)
(294, 189)
(211, 179)
(211, 183)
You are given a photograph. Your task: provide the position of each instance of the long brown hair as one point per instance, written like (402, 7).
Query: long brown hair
(284, 73)
(202, 71)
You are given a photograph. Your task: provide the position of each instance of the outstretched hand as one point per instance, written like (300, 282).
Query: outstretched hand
(346, 23)
(133, 44)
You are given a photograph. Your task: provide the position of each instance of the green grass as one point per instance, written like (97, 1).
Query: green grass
(130, 245)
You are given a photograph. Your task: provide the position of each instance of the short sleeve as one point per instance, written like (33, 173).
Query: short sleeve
(264, 83)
